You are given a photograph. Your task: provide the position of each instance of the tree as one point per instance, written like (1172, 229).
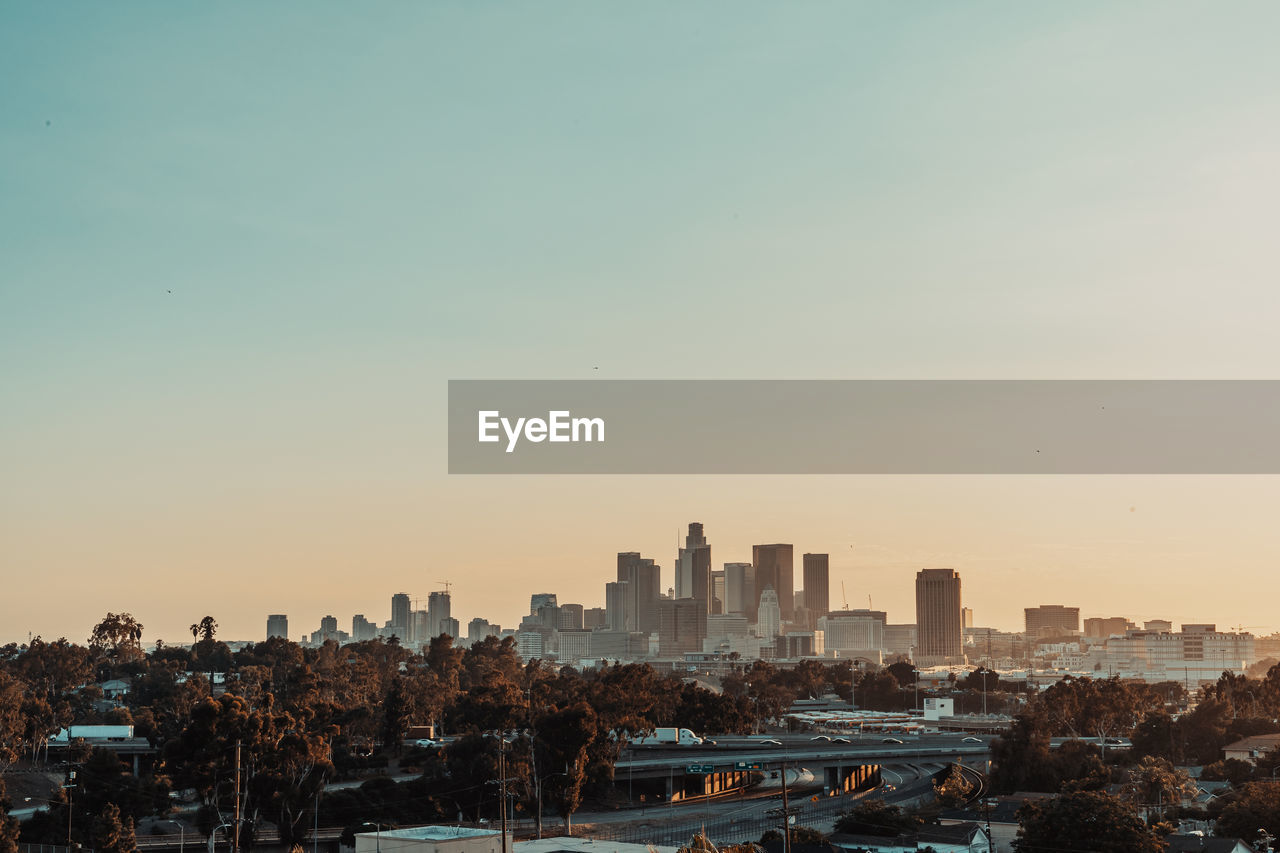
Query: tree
(1155, 782)
(1247, 810)
(118, 637)
(8, 824)
(954, 790)
(1086, 821)
(395, 716)
(205, 629)
(111, 835)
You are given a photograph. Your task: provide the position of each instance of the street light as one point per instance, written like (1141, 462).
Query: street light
(182, 834)
(378, 839)
(214, 834)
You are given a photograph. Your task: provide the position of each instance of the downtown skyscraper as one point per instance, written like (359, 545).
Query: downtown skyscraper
(939, 636)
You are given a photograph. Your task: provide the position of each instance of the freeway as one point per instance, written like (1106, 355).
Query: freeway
(778, 749)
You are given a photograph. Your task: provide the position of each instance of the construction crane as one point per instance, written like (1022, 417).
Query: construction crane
(844, 596)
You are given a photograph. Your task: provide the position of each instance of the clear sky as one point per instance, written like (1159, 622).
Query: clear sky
(243, 247)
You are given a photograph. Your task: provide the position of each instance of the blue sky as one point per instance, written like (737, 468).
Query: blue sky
(351, 205)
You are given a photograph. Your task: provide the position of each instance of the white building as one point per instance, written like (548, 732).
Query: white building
(433, 839)
(769, 619)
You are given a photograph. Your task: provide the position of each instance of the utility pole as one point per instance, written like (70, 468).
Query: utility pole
(784, 813)
(501, 782)
(502, 785)
(235, 828)
(71, 783)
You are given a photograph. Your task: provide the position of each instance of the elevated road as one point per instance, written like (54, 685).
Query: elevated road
(805, 749)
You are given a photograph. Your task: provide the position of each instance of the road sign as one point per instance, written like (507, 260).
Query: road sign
(747, 765)
(700, 768)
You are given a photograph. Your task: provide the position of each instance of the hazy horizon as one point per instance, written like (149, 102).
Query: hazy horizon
(245, 247)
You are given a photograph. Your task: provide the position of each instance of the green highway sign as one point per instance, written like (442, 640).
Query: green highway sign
(700, 768)
(748, 765)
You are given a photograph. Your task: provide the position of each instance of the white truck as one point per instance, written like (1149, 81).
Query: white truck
(112, 733)
(668, 736)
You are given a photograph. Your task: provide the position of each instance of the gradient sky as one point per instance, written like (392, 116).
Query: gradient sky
(353, 204)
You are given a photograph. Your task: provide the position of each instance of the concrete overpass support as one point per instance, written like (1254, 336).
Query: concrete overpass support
(846, 778)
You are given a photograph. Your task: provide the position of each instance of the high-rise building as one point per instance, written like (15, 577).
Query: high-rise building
(739, 587)
(645, 588)
(400, 617)
(853, 633)
(1101, 628)
(618, 615)
(774, 566)
(717, 591)
(900, 639)
(575, 645)
(966, 617)
(362, 629)
(682, 626)
(530, 645)
(693, 567)
(1052, 620)
(541, 599)
(593, 617)
(1157, 625)
(450, 626)
(478, 629)
(768, 615)
(439, 608)
(817, 585)
(939, 636)
(570, 618)
(277, 626)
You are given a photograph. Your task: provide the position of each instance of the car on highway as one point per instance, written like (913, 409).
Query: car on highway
(770, 742)
(891, 740)
(840, 740)
(972, 739)
(821, 737)
(427, 742)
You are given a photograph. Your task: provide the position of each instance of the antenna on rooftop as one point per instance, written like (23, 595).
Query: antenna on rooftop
(844, 596)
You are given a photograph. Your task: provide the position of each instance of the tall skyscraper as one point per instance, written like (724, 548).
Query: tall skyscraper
(939, 637)
(617, 613)
(774, 565)
(644, 578)
(717, 591)
(541, 599)
(362, 629)
(1052, 620)
(739, 587)
(817, 586)
(277, 626)
(769, 615)
(400, 615)
(693, 567)
(439, 608)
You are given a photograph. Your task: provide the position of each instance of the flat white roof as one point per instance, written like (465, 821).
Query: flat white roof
(585, 845)
(432, 833)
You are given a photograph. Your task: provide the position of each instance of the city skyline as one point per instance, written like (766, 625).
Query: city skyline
(402, 606)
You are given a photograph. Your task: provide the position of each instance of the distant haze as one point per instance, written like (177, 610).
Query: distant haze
(244, 248)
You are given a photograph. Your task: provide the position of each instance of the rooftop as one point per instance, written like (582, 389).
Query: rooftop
(432, 833)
